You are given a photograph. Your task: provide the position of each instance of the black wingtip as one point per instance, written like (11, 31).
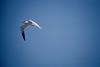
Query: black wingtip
(23, 35)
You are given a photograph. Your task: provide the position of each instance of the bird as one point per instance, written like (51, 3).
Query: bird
(26, 24)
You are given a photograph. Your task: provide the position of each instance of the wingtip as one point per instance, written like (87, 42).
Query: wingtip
(40, 27)
(24, 40)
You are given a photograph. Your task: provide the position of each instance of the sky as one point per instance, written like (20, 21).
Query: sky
(69, 38)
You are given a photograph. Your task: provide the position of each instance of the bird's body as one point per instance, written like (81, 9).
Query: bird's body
(26, 24)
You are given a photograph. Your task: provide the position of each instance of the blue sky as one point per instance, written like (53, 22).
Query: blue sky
(69, 38)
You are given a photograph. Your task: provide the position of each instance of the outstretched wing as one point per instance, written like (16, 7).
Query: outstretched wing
(23, 35)
(35, 24)
(22, 28)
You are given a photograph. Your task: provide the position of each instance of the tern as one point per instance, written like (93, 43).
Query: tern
(28, 23)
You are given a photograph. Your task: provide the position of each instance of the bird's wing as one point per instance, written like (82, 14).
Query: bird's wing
(22, 28)
(34, 24)
(37, 25)
(23, 35)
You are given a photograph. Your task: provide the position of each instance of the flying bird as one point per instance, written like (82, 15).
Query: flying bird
(28, 23)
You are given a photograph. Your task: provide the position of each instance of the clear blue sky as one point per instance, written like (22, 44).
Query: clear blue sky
(70, 36)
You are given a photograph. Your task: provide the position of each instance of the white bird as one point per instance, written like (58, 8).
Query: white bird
(26, 24)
